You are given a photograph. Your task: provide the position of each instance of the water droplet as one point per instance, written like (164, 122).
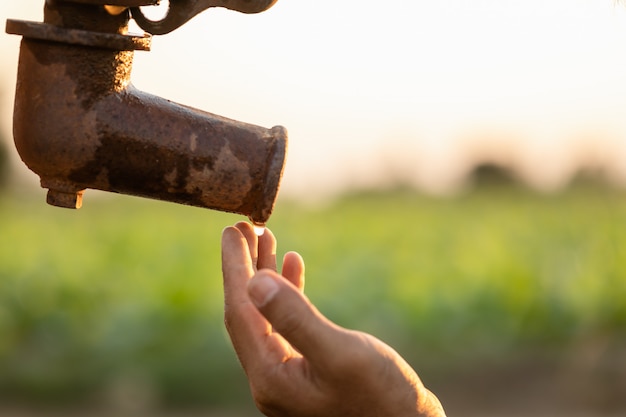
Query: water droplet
(259, 229)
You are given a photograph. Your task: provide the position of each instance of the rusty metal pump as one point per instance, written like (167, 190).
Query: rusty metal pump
(79, 123)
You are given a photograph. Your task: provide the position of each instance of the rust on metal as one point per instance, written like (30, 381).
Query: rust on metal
(79, 123)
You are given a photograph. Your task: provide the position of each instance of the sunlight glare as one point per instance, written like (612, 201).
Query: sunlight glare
(156, 12)
(259, 229)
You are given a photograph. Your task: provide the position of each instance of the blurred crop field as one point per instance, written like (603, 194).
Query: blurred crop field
(506, 302)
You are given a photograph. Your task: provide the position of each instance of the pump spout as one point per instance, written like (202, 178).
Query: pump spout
(79, 123)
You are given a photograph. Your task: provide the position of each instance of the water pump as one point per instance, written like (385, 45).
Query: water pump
(79, 122)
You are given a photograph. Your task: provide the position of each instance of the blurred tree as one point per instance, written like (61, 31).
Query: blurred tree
(593, 176)
(490, 174)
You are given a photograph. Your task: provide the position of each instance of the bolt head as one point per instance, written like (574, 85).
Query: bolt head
(65, 199)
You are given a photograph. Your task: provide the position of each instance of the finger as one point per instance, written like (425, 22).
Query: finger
(247, 231)
(293, 269)
(267, 251)
(245, 325)
(293, 316)
(237, 266)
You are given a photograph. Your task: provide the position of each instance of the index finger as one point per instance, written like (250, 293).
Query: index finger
(245, 325)
(237, 265)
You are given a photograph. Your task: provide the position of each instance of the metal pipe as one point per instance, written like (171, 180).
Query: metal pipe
(79, 123)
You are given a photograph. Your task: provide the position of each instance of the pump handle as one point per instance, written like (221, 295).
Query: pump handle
(181, 11)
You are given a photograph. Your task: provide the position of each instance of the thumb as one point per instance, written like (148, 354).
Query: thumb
(293, 316)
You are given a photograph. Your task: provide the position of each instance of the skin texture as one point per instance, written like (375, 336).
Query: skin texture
(298, 363)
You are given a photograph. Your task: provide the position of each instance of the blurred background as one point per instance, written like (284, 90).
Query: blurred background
(455, 182)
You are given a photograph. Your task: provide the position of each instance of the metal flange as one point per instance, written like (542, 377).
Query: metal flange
(47, 32)
(126, 3)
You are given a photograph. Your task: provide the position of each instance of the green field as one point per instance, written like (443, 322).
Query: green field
(124, 295)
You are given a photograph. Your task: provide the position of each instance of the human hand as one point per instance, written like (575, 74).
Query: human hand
(298, 363)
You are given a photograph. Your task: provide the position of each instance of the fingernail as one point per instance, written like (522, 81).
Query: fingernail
(262, 289)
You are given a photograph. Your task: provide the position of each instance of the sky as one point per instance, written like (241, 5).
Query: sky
(412, 91)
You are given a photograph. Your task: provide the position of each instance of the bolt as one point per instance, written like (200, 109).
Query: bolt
(72, 200)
